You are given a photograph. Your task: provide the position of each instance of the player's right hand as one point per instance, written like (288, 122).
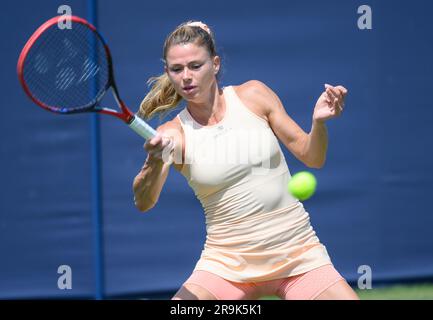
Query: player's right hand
(159, 147)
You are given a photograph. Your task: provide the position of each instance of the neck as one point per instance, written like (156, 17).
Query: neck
(209, 111)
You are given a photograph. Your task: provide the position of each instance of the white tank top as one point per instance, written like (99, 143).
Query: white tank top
(239, 173)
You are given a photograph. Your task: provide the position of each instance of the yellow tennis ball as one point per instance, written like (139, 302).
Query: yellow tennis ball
(302, 185)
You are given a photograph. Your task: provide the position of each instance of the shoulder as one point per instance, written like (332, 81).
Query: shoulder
(257, 95)
(252, 87)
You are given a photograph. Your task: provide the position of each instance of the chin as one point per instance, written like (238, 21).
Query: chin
(191, 97)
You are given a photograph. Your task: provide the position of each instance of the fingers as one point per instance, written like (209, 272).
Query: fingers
(158, 145)
(336, 97)
(333, 92)
(152, 143)
(332, 98)
(342, 89)
(326, 97)
(338, 90)
(155, 140)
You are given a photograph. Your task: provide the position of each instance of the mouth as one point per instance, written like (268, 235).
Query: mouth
(188, 89)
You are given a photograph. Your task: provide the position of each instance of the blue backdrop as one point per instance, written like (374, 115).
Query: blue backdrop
(372, 206)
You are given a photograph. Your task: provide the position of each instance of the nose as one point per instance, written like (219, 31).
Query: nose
(185, 74)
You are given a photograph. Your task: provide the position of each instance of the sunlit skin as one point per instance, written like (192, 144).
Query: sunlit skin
(191, 65)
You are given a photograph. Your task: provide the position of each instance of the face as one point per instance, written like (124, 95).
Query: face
(191, 70)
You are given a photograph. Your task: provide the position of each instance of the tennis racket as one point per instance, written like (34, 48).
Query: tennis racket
(68, 71)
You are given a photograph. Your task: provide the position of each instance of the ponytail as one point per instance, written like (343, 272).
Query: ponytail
(162, 97)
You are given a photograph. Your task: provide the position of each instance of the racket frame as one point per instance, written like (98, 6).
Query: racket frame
(134, 122)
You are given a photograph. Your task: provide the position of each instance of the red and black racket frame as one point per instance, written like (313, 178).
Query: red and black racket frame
(127, 116)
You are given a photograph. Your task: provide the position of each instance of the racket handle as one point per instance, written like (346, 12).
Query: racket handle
(142, 128)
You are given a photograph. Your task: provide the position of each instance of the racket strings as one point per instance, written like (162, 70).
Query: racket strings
(67, 69)
(41, 64)
(94, 62)
(59, 53)
(43, 61)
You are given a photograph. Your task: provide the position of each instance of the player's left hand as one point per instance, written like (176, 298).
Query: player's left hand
(330, 103)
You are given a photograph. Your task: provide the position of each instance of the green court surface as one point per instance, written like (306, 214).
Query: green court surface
(422, 291)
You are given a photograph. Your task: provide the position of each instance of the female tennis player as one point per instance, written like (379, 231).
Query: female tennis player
(259, 237)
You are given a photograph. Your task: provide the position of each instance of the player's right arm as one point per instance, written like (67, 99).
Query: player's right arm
(148, 183)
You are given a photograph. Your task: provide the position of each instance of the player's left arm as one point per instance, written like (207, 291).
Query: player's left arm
(309, 148)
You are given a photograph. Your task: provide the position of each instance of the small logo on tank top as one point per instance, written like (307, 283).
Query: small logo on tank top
(220, 130)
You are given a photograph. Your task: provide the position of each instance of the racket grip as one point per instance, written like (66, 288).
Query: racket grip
(142, 128)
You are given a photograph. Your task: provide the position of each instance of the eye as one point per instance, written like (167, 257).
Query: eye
(196, 66)
(176, 70)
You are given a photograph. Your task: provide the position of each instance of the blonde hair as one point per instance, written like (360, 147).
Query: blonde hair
(162, 96)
